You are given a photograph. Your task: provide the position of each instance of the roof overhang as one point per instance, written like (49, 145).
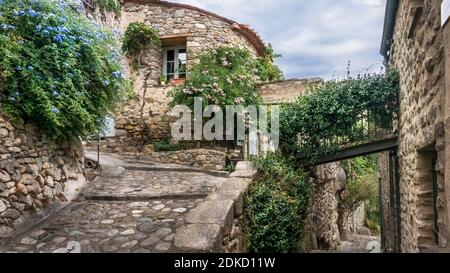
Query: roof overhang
(389, 24)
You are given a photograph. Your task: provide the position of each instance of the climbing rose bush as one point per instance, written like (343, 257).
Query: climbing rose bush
(58, 69)
(225, 76)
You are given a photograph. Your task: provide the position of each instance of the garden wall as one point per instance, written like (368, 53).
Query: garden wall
(285, 91)
(35, 174)
(197, 158)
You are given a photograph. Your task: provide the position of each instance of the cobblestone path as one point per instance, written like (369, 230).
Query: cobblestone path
(138, 212)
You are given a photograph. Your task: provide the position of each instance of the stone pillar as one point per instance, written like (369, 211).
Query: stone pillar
(446, 31)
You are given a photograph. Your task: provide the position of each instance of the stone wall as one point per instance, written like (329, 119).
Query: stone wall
(388, 206)
(321, 229)
(145, 118)
(285, 91)
(35, 173)
(418, 53)
(197, 158)
(202, 31)
(215, 225)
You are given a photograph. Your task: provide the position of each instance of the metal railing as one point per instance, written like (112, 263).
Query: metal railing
(369, 128)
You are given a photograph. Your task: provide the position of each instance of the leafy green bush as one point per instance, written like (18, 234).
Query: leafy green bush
(267, 71)
(57, 68)
(332, 113)
(166, 146)
(276, 205)
(137, 38)
(109, 5)
(361, 189)
(224, 76)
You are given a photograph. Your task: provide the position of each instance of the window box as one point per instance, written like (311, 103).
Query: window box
(177, 81)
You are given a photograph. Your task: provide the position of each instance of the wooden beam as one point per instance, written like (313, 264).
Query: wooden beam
(360, 150)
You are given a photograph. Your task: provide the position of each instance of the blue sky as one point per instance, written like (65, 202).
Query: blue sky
(316, 38)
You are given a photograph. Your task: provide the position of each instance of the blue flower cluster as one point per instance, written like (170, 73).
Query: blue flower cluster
(55, 110)
(117, 74)
(7, 27)
(30, 12)
(14, 96)
(59, 38)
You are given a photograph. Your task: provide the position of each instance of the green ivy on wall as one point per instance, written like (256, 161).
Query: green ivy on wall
(109, 5)
(335, 111)
(57, 69)
(137, 38)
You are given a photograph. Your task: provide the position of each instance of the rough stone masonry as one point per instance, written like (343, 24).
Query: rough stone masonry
(34, 172)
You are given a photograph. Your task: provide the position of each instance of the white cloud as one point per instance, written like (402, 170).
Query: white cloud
(316, 38)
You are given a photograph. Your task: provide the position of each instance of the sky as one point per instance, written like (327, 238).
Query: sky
(315, 38)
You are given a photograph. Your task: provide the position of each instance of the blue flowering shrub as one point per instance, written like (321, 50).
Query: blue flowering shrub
(58, 69)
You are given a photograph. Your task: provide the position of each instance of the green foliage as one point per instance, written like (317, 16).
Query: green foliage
(230, 168)
(267, 71)
(333, 112)
(276, 205)
(166, 146)
(361, 189)
(57, 69)
(224, 76)
(373, 214)
(139, 37)
(109, 5)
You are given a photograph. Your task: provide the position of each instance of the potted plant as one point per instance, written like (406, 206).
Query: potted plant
(178, 81)
(162, 80)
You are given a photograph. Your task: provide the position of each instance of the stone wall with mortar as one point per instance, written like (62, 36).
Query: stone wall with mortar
(215, 226)
(286, 91)
(197, 158)
(202, 31)
(418, 53)
(321, 228)
(34, 173)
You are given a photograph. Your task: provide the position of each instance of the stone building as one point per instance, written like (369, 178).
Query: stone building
(186, 32)
(416, 43)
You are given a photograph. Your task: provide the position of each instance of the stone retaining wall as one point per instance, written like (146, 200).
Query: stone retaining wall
(197, 158)
(35, 172)
(286, 91)
(215, 226)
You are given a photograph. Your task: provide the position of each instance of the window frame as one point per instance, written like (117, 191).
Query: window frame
(176, 50)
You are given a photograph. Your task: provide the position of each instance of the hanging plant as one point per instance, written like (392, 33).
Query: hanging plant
(139, 37)
(109, 5)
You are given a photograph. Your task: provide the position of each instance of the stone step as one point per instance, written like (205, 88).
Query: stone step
(173, 168)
